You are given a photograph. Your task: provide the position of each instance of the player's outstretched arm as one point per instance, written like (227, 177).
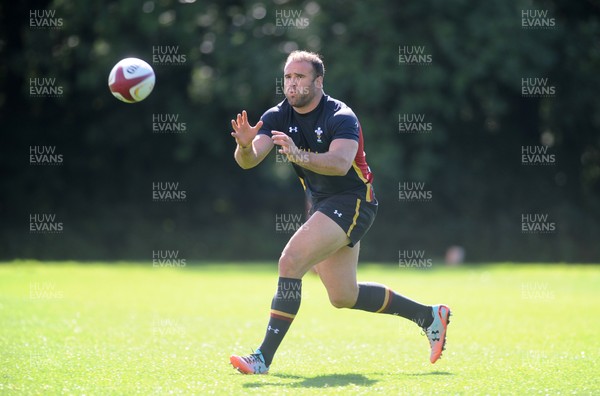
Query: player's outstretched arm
(335, 162)
(251, 148)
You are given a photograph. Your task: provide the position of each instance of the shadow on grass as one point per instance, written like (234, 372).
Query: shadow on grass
(430, 373)
(320, 381)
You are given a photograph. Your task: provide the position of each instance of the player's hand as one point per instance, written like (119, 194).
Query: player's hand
(287, 146)
(244, 133)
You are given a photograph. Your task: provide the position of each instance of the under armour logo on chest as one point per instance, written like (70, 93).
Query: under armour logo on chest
(293, 129)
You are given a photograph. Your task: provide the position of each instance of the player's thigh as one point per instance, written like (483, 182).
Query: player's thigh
(338, 274)
(316, 240)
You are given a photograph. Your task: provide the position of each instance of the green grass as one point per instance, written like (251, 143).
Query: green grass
(133, 329)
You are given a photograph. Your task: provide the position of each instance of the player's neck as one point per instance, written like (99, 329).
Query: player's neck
(311, 106)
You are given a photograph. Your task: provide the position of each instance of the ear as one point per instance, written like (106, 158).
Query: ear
(319, 82)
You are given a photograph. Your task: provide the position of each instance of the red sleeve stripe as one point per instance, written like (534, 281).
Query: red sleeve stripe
(361, 167)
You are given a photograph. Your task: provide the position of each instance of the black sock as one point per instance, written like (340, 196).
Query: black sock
(373, 297)
(284, 308)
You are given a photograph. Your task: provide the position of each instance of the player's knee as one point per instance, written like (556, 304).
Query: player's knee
(290, 265)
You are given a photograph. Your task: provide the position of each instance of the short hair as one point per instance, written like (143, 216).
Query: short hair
(311, 57)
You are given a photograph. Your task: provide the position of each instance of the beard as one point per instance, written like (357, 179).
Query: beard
(298, 99)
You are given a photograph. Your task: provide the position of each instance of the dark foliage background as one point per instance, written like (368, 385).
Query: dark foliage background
(471, 93)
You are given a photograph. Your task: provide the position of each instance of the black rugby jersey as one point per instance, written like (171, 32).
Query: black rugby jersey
(314, 132)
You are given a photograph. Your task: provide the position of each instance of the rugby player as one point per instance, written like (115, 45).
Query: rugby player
(323, 139)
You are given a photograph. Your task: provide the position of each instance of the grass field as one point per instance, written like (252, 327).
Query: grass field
(134, 329)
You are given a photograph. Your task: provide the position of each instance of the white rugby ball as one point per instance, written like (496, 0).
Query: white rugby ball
(131, 80)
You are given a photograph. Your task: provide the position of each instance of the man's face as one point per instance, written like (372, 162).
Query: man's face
(299, 83)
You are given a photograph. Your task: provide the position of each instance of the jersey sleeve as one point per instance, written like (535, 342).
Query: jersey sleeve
(344, 125)
(270, 121)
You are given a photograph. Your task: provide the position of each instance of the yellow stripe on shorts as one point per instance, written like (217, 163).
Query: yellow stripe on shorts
(356, 212)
